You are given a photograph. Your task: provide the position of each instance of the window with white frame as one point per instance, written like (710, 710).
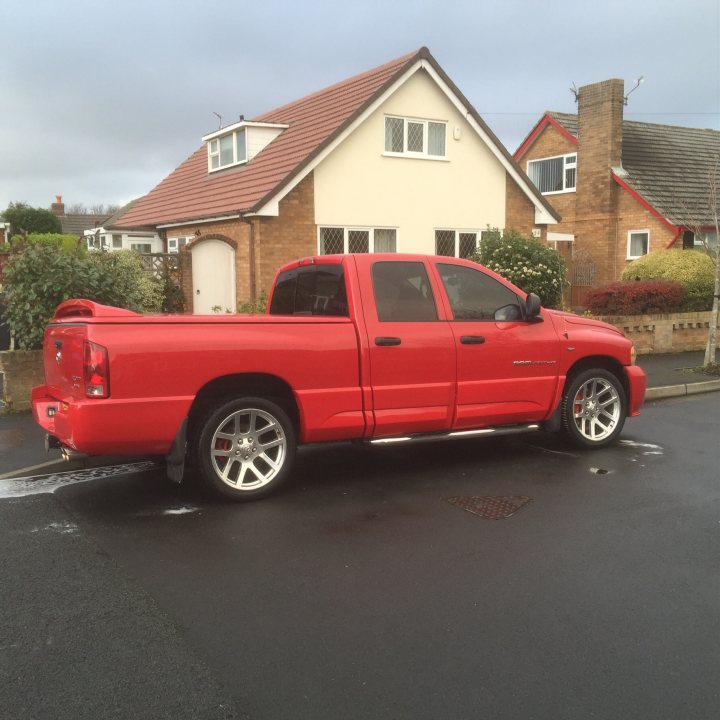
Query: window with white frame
(456, 243)
(117, 242)
(141, 247)
(226, 150)
(638, 243)
(555, 174)
(175, 243)
(338, 240)
(411, 137)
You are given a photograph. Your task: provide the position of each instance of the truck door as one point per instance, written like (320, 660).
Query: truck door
(507, 368)
(411, 350)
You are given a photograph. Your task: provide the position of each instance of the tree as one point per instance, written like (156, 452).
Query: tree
(97, 209)
(23, 218)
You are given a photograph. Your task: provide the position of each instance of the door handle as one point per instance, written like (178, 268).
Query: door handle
(472, 339)
(387, 341)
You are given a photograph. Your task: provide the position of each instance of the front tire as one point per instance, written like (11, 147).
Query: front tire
(594, 408)
(245, 448)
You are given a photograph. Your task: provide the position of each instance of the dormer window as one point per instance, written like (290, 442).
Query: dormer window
(230, 149)
(239, 143)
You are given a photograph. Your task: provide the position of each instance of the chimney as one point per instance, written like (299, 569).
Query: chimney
(58, 207)
(600, 118)
(599, 149)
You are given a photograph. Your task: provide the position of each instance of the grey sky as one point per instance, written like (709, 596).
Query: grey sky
(101, 100)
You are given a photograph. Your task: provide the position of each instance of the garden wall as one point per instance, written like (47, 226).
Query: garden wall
(674, 332)
(22, 370)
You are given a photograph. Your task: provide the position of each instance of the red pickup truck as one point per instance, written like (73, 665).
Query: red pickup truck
(382, 348)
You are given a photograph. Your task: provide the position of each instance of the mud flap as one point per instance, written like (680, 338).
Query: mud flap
(175, 459)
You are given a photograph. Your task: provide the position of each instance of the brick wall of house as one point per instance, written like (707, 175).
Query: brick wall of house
(551, 143)
(600, 213)
(238, 233)
(519, 210)
(291, 235)
(631, 215)
(276, 241)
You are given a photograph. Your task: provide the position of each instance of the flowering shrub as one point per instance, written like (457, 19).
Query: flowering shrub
(525, 262)
(695, 271)
(635, 298)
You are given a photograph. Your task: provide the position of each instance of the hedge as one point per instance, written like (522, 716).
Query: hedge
(644, 297)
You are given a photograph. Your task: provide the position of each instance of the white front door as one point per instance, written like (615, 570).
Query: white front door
(213, 275)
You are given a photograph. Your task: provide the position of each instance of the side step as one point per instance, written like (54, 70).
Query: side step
(425, 437)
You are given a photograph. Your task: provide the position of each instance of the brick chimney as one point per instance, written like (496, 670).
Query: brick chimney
(600, 118)
(599, 149)
(58, 207)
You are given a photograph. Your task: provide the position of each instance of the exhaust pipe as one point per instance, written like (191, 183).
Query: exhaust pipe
(53, 443)
(70, 454)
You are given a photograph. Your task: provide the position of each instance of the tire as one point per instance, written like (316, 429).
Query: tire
(594, 408)
(245, 448)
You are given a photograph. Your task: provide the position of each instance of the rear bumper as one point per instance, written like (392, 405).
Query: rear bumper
(111, 427)
(637, 383)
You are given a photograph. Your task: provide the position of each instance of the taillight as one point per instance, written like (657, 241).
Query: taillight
(96, 370)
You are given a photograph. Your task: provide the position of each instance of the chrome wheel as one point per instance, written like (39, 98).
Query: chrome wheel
(596, 409)
(248, 449)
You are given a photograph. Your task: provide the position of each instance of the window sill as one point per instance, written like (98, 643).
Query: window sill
(225, 167)
(559, 192)
(406, 156)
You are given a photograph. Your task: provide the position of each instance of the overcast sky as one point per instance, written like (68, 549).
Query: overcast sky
(99, 100)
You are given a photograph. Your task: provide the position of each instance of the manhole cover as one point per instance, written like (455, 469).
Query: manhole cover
(492, 508)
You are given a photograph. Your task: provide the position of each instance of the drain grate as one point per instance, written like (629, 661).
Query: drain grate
(492, 508)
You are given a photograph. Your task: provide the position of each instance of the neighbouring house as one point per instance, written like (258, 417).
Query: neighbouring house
(623, 188)
(141, 239)
(75, 223)
(393, 160)
(4, 232)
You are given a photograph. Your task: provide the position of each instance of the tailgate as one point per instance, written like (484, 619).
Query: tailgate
(63, 360)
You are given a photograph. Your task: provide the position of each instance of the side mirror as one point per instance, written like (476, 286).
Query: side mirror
(532, 306)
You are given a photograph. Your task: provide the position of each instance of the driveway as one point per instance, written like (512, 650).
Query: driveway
(368, 589)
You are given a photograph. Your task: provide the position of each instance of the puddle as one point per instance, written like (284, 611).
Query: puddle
(37, 485)
(66, 528)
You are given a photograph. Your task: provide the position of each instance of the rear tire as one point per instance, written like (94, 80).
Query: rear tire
(245, 448)
(594, 408)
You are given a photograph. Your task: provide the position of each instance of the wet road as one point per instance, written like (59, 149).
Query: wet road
(361, 592)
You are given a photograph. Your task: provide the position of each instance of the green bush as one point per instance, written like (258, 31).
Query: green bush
(256, 307)
(56, 240)
(695, 271)
(23, 218)
(525, 262)
(40, 277)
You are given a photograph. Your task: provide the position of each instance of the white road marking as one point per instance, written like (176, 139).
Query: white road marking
(39, 484)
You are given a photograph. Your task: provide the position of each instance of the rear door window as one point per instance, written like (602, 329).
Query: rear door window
(313, 290)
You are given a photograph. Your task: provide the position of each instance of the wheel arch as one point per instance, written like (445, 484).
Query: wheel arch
(603, 362)
(261, 385)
